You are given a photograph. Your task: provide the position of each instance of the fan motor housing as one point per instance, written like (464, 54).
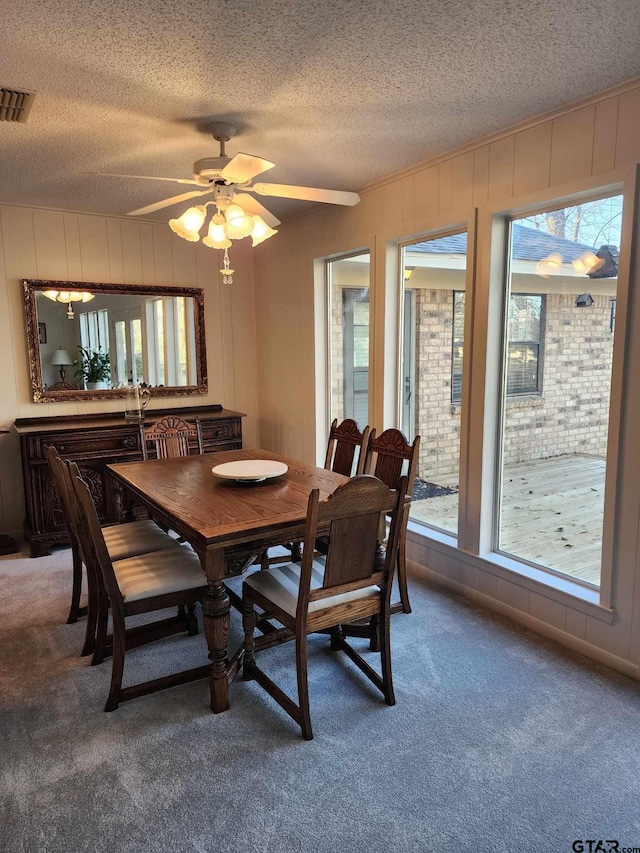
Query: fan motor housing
(209, 170)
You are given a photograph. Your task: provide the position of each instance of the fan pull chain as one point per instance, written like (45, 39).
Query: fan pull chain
(227, 273)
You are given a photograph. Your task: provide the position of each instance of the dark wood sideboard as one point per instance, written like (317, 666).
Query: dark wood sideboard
(95, 441)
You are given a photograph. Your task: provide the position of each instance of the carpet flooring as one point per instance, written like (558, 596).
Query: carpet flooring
(500, 741)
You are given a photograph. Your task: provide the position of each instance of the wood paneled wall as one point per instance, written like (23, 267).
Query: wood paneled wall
(76, 247)
(596, 142)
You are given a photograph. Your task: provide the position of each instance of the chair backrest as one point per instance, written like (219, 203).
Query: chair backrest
(354, 513)
(390, 457)
(92, 542)
(172, 437)
(62, 483)
(344, 439)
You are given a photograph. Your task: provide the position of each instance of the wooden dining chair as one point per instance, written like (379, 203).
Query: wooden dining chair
(122, 541)
(142, 584)
(170, 437)
(320, 595)
(344, 440)
(390, 457)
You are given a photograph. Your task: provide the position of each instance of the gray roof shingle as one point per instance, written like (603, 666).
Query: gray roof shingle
(529, 244)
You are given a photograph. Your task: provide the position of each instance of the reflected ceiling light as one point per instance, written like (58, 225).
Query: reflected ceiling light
(588, 262)
(69, 296)
(230, 222)
(547, 266)
(408, 272)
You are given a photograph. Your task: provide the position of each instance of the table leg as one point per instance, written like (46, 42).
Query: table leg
(215, 610)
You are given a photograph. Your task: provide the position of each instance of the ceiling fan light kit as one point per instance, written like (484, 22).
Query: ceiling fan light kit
(238, 215)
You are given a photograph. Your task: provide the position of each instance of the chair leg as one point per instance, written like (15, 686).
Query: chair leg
(402, 571)
(249, 623)
(336, 636)
(192, 620)
(77, 587)
(100, 641)
(374, 625)
(117, 663)
(303, 687)
(385, 659)
(94, 589)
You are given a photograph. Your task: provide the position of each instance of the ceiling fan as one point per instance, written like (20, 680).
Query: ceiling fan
(230, 180)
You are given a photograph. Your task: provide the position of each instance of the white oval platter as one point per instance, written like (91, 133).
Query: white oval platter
(250, 470)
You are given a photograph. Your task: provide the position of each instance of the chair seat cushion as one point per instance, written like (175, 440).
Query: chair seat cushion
(280, 585)
(159, 573)
(136, 537)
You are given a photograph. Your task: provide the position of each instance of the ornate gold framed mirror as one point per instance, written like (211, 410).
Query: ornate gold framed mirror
(91, 341)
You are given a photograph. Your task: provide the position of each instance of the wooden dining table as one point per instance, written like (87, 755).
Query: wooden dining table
(228, 524)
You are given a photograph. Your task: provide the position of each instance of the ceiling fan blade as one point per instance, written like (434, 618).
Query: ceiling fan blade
(253, 207)
(244, 167)
(306, 193)
(167, 202)
(149, 178)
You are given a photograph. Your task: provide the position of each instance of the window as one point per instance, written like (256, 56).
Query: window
(562, 277)
(94, 330)
(523, 348)
(170, 330)
(434, 273)
(127, 343)
(349, 318)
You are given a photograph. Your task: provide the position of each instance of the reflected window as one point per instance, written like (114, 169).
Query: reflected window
(525, 324)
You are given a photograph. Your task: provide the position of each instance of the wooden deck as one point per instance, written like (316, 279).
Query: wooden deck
(552, 513)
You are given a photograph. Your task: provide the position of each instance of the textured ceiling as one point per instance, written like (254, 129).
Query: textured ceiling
(338, 94)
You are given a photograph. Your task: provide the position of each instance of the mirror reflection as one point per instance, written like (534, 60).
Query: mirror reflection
(94, 340)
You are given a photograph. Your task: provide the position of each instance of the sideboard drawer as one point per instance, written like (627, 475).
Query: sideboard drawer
(221, 431)
(90, 444)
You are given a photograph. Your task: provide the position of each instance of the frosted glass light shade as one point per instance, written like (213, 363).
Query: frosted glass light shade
(189, 224)
(235, 215)
(216, 238)
(239, 228)
(67, 296)
(260, 231)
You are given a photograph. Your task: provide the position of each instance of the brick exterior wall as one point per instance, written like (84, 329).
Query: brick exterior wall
(569, 416)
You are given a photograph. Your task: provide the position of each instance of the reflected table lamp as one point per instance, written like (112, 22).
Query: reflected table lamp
(60, 359)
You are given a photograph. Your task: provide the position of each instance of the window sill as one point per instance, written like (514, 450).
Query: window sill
(525, 401)
(564, 590)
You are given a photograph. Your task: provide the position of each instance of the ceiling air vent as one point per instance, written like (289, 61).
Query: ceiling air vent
(15, 105)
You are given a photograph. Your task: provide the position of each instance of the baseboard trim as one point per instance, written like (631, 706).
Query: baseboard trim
(539, 627)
